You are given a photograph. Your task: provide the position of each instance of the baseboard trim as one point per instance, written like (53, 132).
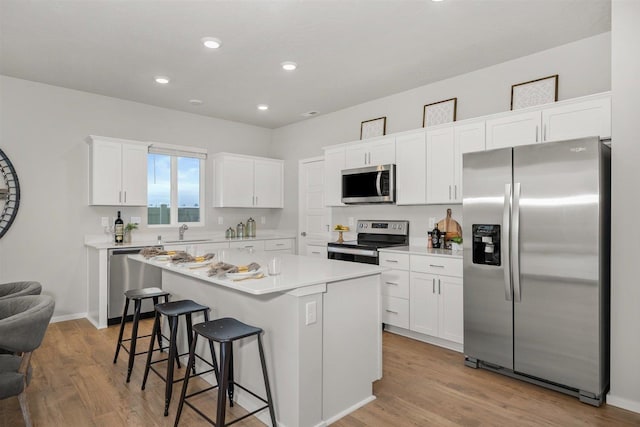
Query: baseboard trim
(349, 410)
(64, 318)
(621, 402)
(424, 338)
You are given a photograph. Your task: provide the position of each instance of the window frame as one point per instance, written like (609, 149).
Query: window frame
(173, 208)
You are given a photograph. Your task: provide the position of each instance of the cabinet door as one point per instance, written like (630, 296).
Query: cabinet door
(268, 184)
(134, 175)
(382, 152)
(357, 156)
(586, 118)
(411, 170)
(395, 312)
(233, 182)
(423, 304)
(253, 245)
(395, 283)
(513, 130)
(450, 324)
(319, 251)
(106, 173)
(206, 248)
(468, 138)
(440, 167)
(334, 162)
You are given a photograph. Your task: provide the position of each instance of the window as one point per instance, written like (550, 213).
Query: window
(175, 187)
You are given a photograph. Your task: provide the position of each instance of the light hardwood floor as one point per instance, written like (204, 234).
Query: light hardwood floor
(75, 383)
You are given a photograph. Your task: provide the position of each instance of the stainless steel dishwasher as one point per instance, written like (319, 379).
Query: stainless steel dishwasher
(125, 274)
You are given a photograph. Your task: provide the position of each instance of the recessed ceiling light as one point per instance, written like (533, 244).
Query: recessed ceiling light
(211, 42)
(263, 107)
(195, 101)
(162, 80)
(289, 66)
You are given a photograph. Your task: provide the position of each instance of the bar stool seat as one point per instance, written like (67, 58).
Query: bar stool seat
(173, 310)
(225, 331)
(137, 295)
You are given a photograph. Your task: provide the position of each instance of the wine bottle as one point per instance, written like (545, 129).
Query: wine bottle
(119, 230)
(435, 237)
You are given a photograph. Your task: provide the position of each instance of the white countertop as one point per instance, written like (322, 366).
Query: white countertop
(422, 250)
(297, 271)
(100, 242)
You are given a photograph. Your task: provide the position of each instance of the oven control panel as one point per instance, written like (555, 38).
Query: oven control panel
(383, 227)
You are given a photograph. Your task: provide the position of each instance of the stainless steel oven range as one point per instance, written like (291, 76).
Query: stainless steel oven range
(372, 235)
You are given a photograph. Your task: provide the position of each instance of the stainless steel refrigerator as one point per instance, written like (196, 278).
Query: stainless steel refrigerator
(536, 264)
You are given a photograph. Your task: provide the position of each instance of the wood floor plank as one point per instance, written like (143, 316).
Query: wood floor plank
(76, 384)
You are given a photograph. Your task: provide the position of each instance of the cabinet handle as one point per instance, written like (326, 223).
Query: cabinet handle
(391, 311)
(455, 191)
(536, 133)
(315, 252)
(125, 197)
(438, 286)
(433, 286)
(449, 192)
(391, 283)
(434, 265)
(279, 244)
(365, 158)
(119, 196)
(391, 260)
(327, 227)
(249, 246)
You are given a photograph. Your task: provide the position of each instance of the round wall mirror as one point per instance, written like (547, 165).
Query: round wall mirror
(9, 193)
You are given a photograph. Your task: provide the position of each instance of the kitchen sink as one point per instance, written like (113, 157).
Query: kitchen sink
(187, 241)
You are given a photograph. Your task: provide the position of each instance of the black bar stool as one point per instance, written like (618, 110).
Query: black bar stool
(137, 295)
(225, 331)
(173, 310)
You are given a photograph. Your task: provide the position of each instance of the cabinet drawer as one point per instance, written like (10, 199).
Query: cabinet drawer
(395, 283)
(395, 311)
(277, 245)
(437, 265)
(393, 260)
(257, 245)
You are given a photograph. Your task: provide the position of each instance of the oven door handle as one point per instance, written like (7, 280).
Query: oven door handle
(351, 251)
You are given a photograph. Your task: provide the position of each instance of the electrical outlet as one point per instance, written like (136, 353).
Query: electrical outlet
(351, 221)
(263, 220)
(136, 220)
(432, 222)
(311, 313)
(104, 221)
(220, 220)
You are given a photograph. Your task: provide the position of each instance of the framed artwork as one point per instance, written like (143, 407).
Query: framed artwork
(535, 92)
(373, 127)
(439, 112)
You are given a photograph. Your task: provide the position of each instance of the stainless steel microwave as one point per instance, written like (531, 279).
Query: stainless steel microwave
(372, 184)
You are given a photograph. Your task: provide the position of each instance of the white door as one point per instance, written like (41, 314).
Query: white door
(383, 152)
(233, 182)
(411, 171)
(423, 304)
(106, 173)
(587, 118)
(268, 183)
(450, 308)
(440, 168)
(357, 156)
(134, 175)
(468, 138)
(313, 216)
(513, 130)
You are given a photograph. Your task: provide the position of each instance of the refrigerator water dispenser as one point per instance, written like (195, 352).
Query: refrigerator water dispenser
(486, 244)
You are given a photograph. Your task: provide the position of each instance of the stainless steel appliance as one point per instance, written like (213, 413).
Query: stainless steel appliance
(125, 274)
(372, 235)
(372, 184)
(536, 271)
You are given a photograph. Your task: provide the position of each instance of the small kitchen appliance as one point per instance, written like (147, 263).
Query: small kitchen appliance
(372, 235)
(371, 184)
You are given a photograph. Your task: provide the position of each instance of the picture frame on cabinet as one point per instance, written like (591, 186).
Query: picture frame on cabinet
(534, 92)
(374, 127)
(439, 112)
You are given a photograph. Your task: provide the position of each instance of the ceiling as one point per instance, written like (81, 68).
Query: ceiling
(348, 51)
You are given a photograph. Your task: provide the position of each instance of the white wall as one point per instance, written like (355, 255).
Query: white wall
(625, 248)
(43, 130)
(584, 68)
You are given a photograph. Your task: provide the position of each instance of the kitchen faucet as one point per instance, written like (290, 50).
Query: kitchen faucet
(181, 231)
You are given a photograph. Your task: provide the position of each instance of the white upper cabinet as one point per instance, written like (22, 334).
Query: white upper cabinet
(440, 166)
(247, 182)
(513, 130)
(334, 163)
(469, 137)
(411, 173)
(575, 120)
(381, 151)
(117, 172)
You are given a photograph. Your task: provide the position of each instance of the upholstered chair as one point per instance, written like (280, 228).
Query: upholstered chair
(19, 289)
(23, 323)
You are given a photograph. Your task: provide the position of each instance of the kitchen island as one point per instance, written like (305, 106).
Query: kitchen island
(321, 322)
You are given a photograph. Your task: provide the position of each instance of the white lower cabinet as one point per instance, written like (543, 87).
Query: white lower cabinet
(256, 245)
(423, 295)
(318, 251)
(284, 246)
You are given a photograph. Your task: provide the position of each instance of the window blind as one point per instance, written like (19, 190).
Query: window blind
(178, 150)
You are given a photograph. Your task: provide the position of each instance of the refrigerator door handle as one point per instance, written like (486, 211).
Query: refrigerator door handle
(506, 250)
(515, 236)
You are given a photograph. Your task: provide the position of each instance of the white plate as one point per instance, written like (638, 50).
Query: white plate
(199, 264)
(233, 276)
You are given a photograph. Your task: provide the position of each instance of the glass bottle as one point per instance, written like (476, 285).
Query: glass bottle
(118, 230)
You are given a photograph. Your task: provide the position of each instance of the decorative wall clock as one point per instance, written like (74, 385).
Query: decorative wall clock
(9, 194)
